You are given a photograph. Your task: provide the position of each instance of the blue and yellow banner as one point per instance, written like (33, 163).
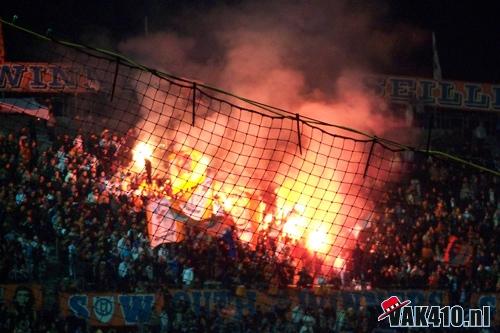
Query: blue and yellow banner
(46, 78)
(114, 309)
(444, 93)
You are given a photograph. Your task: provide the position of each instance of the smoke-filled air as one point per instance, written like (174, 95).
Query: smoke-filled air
(308, 57)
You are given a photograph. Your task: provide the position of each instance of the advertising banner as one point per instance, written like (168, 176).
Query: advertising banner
(21, 294)
(115, 309)
(46, 78)
(442, 93)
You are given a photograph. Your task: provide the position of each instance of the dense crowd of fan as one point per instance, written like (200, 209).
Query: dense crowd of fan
(439, 229)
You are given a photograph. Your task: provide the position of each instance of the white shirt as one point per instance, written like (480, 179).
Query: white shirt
(91, 198)
(20, 198)
(164, 320)
(72, 250)
(308, 320)
(162, 254)
(149, 272)
(123, 269)
(297, 314)
(122, 244)
(187, 276)
(135, 253)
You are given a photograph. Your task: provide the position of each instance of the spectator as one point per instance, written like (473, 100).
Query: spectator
(308, 323)
(72, 254)
(187, 275)
(438, 229)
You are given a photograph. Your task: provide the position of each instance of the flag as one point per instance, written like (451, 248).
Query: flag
(165, 225)
(457, 253)
(199, 205)
(447, 252)
(26, 106)
(436, 67)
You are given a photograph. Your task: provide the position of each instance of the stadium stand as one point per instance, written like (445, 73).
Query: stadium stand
(84, 202)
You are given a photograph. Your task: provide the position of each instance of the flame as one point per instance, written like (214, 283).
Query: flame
(187, 169)
(295, 226)
(238, 202)
(235, 199)
(308, 208)
(141, 152)
(339, 263)
(317, 241)
(314, 205)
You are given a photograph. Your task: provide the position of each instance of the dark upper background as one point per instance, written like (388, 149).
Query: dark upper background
(467, 32)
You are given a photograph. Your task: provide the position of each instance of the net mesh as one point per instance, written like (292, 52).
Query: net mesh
(197, 160)
(275, 198)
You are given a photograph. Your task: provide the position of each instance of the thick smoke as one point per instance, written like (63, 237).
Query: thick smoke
(292, 55)
(306, 57)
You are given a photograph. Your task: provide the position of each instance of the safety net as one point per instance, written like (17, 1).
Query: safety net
(147, 170)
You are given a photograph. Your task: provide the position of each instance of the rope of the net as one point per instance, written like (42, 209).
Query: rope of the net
(389, 144)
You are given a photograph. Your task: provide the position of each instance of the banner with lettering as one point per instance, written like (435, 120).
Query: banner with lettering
(63, 78)
(103, 309)
(46, 78)
(21, 294)
(444, 93)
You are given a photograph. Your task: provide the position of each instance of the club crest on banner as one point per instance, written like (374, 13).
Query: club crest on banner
(104, 308)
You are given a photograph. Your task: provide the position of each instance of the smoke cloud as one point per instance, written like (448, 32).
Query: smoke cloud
(287, 54)
(308, 57)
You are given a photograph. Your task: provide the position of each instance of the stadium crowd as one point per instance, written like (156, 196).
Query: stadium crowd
(438, 229)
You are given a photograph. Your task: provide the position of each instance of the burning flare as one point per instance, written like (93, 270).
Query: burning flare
(187, 169)
(141, 152)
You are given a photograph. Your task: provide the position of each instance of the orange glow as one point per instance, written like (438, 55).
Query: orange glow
(187, 169)
(141, 152)
(295, 226)
(317, 241)
(339, 263)
(238, 202)
(235, 201)
(311, 206)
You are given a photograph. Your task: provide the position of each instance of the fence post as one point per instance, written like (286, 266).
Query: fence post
(369, 156)
(297, 117)
(429, 130)
(114, 79)
(194, 103)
